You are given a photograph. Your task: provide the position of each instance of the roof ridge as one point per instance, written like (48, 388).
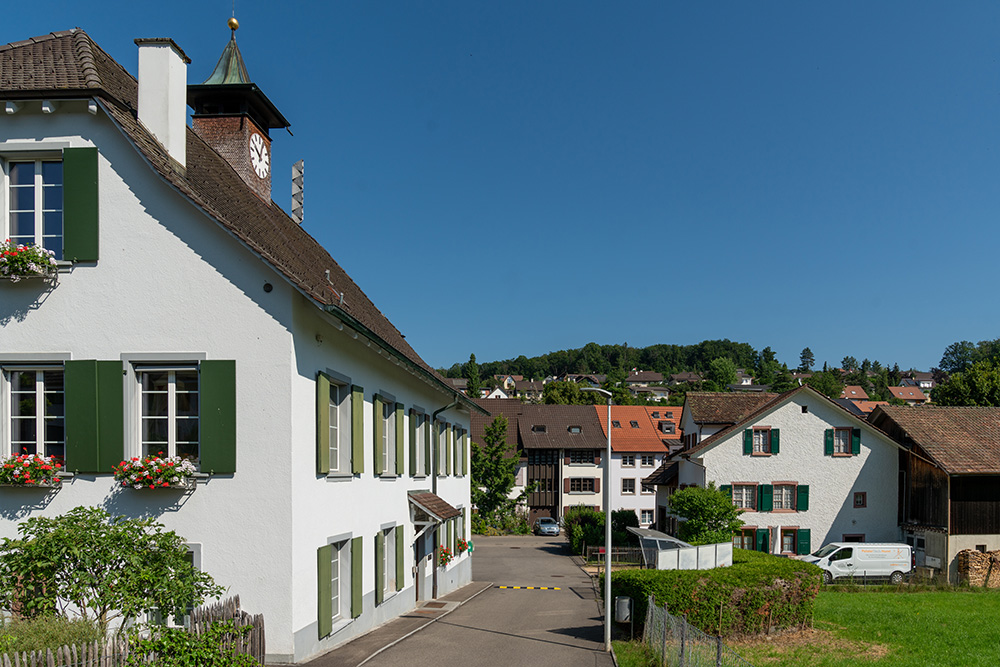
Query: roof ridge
(38, 40)
(85, 53)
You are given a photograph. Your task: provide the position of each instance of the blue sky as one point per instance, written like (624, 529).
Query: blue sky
(521, 177)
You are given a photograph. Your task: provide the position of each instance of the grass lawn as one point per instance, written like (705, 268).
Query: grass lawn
(930, 629)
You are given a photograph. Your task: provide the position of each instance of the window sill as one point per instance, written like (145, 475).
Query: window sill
(388, 476)
(628, 493)
(783, 511)
(186, 486)
(760, 454)
(339, 477)
(339, 625)
(582, 493)
(48, 486)
(842, 455)
(580, 465)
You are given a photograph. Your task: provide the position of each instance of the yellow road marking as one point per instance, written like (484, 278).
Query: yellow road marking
(532, 588)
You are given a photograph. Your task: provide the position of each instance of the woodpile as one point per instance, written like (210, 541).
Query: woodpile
(979, 569)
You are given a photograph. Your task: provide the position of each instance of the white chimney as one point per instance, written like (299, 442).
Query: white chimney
(163, 93)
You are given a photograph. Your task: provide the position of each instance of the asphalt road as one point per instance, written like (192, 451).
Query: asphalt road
(514, 626)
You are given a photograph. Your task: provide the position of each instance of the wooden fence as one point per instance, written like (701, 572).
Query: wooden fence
(115, 653)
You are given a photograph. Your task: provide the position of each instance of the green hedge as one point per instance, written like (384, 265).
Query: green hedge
(757, 592)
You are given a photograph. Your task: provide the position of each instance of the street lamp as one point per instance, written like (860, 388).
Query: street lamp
(607, 524)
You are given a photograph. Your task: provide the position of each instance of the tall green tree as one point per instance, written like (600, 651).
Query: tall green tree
(493, 469)
(568, 393)
(826, 382)
(849, 364)
(99, 566)
(959, 356)
(806, 360)
(977, 385)
(722, 371)
(472, 374)
(709, 514)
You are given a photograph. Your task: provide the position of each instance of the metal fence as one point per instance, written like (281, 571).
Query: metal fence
(677, 643)
(619, 555)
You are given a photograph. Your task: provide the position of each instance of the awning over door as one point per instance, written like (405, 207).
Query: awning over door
(433, 506)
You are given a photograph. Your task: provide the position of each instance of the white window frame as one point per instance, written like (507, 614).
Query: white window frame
(138, 369)
(745, 496)
(646, 489)
(842, 447)
(793, 534)
(628, 486)
(7, 408)
(419, 434)
(643, 514)
(762, 441)
(36, 158)
(342, 553)
(388, 435)
(389, 562)
(628, 460)
(341, 423)
(647, 461)
(783, 497)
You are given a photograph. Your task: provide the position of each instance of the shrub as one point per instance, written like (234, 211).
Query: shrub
(502, 522)
(176, 647)
(757, 592)
(585, 527)
(38, 634)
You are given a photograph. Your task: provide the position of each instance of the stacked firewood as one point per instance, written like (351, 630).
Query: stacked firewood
(978, 568)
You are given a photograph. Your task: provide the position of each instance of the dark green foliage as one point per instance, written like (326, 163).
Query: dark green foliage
(584, 527)
(709, 514)
(472, 373)
(722, 372)
(38, 634)
(176, 647)
(568, 393)
(620, 521)
(979, 385)
(757, 592)
(806, 361)
(493, 473)
(827, 382)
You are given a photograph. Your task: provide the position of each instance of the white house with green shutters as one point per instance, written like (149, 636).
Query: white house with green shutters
(803, 470)
(191, 316)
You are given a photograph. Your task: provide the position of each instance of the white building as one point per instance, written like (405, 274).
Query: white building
(805, 471)
(191, 315)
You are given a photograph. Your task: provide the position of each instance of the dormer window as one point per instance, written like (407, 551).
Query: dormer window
(656, 415)
(616, 424)
(634, 424)
(538, 428)
(670, 415)
(575, 429)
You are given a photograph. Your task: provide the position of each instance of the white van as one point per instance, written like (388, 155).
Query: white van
(863, 559)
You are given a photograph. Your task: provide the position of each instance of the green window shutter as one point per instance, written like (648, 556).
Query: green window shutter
(357, 429)
(400, 570)
(802, 497)
(110, 414)
(828, 442)
(80, 204)
(775, 440)
(766, 500)
(451, 536)
(400, 444)
(379, 564)
(80, 387)
(322, 423)
(804, 542)
(763, 540)
(457, 449)
(413, 442)
(379, 422)
(450, 434)
(748, 441)
(324, 590)
(856, 441)
(218, 416)
(428, 431)
(727, 489)
(357, 578)
(465, 453)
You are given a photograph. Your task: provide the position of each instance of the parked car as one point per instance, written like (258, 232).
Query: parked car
(863, 559)
(546, 526)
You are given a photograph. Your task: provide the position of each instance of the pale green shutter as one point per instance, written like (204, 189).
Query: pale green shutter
(357, 429)
(400, 569)
(218, 416)
(400, 445)
(81, 205)
(451, 536)
(379, 566)
(324, 590)
(357, 578)
(457, 449)
(465, 452)
(449, 435)
(428, 432)
(379, 430)
(413, 443)
(828, 442)
(775, 440)
(322, 423)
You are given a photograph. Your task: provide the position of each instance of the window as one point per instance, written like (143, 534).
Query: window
(805, 409)
(37, 407)
(670, 415)
(442, 438)
(335, 581)
(634, 424)
(35, 204)
(645, 517)
(628, 460)
(648, 460)
(419, 437)
(575, 429)
(581, 485)
(388, 437)
(340, 427)
(656, 415)
(784, 497)
(339, 565)
(744, 539)
(788, 540)
(538, 428)
(647, 489)
(667, 427)
(169, 412)
(581, 456)
(543, 485)
(745, 496)
(541, 457)
(761, 441)
(628, 485)
(861, 499)
(841, 441)
(389, 560)
(338, 408)
(615, 423)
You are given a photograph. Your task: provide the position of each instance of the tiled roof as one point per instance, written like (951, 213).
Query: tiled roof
(854, 392)
(508, 407)
(556, 420)
(686, 376)
(71, 64)
(723, 408)
(644, 376)
(962, 440)
(434, 505)
(666, 473)
(867, 406)
(908, 393)
(528, 385)
(643, 437)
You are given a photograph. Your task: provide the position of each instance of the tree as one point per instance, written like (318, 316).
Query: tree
(474, 384)
(806, 360)
(783, 381)
(826, 382)
(709, 514)
(101, 566)
(722, 371)
(978, 385)
(849, 363)
(493, 471)
(568, 393)
(958, 356)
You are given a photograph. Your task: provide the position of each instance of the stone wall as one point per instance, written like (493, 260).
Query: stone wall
(979, 569)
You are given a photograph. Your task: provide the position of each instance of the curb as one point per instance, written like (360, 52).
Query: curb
(433, 620)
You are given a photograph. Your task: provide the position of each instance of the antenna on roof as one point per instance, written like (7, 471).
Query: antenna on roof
(298, 171)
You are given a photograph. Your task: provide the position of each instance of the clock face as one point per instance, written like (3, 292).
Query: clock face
(259, 158)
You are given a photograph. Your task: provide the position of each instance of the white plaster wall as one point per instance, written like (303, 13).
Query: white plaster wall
(634, 501)
(569, 470)
(832, 480)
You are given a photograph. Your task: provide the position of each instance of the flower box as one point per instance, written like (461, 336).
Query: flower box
(30, 471)
(444, 555)
(156, 472)
(19, 262)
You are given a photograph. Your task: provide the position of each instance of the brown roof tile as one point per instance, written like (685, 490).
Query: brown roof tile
(723, 408)
(508, 407)
(962, 440)
(556, 420)
(434, 505)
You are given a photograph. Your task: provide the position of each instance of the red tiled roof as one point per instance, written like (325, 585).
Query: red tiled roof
(854, 392)
(434, 505)
(908, 393)
(961, 440)
(868, 406)
(723, 408)
(643, 437)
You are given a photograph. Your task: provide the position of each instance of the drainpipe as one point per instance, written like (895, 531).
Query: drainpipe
(437, 446)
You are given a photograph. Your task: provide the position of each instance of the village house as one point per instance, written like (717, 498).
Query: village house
(192, 316)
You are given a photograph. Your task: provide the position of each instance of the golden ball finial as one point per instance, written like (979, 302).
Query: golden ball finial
(234, 24)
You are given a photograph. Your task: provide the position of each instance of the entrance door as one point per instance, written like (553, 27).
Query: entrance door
(420, 567)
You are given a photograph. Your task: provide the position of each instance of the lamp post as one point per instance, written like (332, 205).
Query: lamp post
(607, 523)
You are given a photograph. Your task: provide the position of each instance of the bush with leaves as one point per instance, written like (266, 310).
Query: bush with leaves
(102, 567)
(176, 647)
(709, 514)
(44, 632)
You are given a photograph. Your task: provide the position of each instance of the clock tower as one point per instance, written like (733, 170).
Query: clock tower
(234, 117)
